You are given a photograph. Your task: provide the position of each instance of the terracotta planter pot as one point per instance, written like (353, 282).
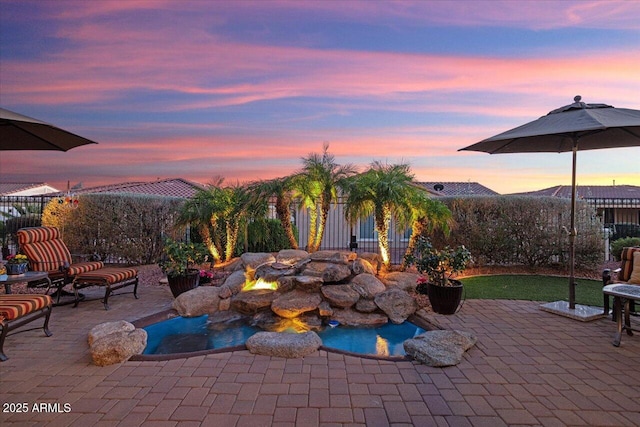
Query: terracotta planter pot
(445, 299)
(180, 284)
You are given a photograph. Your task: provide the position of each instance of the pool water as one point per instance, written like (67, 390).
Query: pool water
(186, 335)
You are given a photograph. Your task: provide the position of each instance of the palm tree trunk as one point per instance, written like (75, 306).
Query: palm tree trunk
(416, 230)
(206, 236)
(313, 220)
(232, 238)
(383, 219)
(324, 215)
(284, 215)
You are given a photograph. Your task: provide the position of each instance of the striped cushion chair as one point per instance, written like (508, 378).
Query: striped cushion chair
(47, 252)
(623, 274)
(18, 310)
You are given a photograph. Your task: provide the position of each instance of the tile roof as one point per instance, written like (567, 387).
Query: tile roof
(589, 192)
(457, 188)
(8, 188)
(174, 187)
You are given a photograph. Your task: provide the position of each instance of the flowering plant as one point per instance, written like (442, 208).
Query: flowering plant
(438, 266)
(17, 259)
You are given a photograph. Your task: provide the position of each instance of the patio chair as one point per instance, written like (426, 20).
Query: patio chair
(18, 310)
(47, 252)
(620, 275)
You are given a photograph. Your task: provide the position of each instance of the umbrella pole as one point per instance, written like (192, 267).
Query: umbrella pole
(574, 231)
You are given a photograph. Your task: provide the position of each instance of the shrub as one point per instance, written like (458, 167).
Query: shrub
(619, 244)
(122, 228)
(522, 230)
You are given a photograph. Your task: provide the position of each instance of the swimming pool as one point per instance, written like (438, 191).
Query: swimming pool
(187, 335)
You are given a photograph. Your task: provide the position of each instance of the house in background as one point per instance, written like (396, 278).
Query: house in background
(172, 187)
(440, 188)
(26, 188)
(617, 205)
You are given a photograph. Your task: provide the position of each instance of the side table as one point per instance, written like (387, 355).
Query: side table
(9, 279)
(622, 296)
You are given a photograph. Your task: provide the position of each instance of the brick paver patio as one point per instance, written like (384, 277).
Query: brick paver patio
(528, 368)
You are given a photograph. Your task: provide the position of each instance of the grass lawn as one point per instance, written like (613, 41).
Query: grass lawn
(532, 288)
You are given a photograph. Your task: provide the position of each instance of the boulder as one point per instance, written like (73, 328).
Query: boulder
(198, 301)
(107, 328)
(284, 344)
(402, 280)
(336, 273)
(439, 348)
(294, 303)
(308, 283)
(291, 256)
(118, 346)
(221, 320)
(250, 302)
(367, 285)
(272, 272)
(335, 257)
(397, 304)
(342, 296)
(366, 305)
(315, 269)
(324, 309)
(374, 259)
(360, 266)
(253, 260)
(349, 317)
(233, 284)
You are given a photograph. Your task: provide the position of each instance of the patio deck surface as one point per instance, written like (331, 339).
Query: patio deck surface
(529, 367)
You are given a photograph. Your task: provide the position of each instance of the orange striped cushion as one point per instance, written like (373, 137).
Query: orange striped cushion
(14, 306)
(84, 267)
(627, 263)
(108, 275)
(47, 252)
(44, 248)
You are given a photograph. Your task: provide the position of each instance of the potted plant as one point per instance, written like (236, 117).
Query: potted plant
(177, 263)
(17, 264)
(439, 266)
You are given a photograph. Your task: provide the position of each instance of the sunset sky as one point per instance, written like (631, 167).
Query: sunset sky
(244, 89)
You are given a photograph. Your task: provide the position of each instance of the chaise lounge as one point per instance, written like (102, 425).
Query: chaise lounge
(18, 310)
(47, 252)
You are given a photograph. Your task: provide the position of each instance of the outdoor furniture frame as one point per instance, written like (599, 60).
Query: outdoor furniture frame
(18, 310)
(47, 252)
(623, 296)
(622, 276)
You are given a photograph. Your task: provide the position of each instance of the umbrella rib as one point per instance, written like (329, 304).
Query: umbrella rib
(48, 143)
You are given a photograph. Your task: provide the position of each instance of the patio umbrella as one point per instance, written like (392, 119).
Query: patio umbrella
(574, 127)
(18, 132)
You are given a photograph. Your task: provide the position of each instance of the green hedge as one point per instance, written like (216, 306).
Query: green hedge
(122, 228)
(522, 230)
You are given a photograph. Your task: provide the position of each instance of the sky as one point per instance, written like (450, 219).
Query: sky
(244, 89)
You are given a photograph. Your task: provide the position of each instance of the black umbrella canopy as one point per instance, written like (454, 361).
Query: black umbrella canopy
(18, 132)
(574, 127)
(592, 126)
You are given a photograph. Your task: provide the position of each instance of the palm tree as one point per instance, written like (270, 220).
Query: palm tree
(427, 215)
(320, 180)
(200, 212)
(218, 213)
(282, 189)
(387, 191)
